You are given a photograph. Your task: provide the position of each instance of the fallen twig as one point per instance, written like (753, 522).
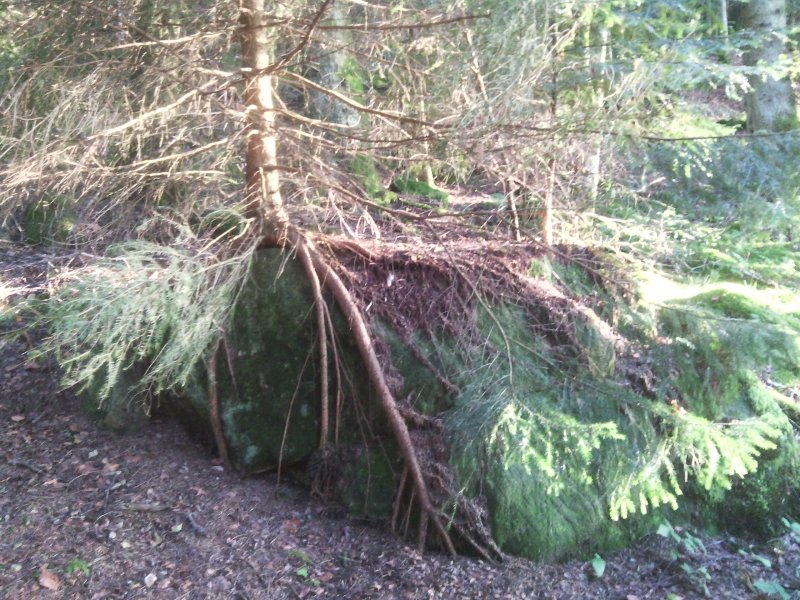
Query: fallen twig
(18, 462)
(145, 507)
(196, 527)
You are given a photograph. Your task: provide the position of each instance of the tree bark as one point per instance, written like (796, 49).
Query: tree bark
(594, 160)
(770, 104)
(331, 71)
(262, 191)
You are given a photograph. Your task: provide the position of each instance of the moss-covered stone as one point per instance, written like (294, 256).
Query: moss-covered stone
(354, 77)
(122, 410)
(270, 406)
(542, 417)
(368, 480)
(270, 403)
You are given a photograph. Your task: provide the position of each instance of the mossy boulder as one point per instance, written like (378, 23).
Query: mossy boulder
(575, 439)
(118, 409)
(550, 439)
(365, 171)
(268, 383)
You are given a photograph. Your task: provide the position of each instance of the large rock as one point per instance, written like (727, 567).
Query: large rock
(573, 438)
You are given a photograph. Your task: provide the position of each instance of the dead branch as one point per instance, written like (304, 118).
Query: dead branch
(438, 22)
(196, 527)
(420, 420)
(382, 114)
(306, 36)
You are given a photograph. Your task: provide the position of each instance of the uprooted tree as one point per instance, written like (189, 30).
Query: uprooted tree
(323, 305)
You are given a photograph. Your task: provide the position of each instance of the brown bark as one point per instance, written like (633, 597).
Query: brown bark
(322, 340)
(262, 192)
(215, 415)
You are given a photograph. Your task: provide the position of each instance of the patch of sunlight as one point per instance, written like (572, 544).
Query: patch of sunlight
(7, 291)
(657, 288)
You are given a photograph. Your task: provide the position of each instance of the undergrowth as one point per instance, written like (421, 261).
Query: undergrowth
(725, 210)
(709, 230)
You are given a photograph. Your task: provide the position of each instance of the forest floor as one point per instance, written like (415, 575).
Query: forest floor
(85, 513)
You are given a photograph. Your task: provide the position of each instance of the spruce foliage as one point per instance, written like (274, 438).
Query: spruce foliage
(163, 308)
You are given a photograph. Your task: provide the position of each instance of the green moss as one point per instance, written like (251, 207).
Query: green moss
(735, 305)
(540, 526)
(274, 379)
(788, 122)
(223, 223)
(380, 82)
(354, 78)
(421, 386)
(574, 277)
(409, 184)
(122, 410)
(51, 219)
(765, 262)
(555, 443)
(540, 268)
(369, 480)
(366, 172)
(755, 503)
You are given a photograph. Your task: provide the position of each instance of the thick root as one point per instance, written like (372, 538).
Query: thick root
(344, 299)
(322, 339)
(214, 411)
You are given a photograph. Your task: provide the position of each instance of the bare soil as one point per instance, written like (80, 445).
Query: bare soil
(86, 513)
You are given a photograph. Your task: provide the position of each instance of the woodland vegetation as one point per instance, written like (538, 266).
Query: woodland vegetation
(527, 270)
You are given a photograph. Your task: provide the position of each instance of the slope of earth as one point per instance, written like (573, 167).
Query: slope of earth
(89, 514)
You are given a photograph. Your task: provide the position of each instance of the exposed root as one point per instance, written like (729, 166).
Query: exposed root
(213, 406)
(338, 372)
(407, 517)
(344, 299)
(322, 338)
(398, 498)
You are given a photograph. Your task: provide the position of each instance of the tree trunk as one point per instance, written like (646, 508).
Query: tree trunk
(595, 158)
(334, 69)
(262, 191)
(770, 104)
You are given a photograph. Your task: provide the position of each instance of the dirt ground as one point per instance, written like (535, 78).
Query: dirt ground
(86, 513)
